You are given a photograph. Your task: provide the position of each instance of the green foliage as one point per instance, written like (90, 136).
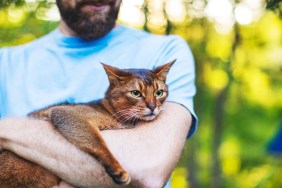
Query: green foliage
(275, 5)
(239, 85)
(6, 3)
(19, 25)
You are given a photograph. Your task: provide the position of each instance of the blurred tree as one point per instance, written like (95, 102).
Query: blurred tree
(6, 3)
(237, 48)
(275, 5)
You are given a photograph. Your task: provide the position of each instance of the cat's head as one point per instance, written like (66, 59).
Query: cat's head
(137, 94)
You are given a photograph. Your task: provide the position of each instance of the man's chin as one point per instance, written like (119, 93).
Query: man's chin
(93, 35)
(92, 25)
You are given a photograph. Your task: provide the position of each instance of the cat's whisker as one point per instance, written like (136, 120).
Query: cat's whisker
(128, 114)
(125, 115)
(162, 107)
(123, 110)
(127, 119)
(116, 110)
(134, 120)
(139, 110)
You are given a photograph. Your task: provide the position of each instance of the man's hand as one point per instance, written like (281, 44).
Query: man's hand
(63, 185)
(1, 148)
(148, 152)
(1, 143)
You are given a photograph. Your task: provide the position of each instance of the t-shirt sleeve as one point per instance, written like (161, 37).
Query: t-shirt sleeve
(3, 58)
(1, 89)
(181, 77)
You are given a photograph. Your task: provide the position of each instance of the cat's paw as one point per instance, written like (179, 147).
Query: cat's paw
(120, 177)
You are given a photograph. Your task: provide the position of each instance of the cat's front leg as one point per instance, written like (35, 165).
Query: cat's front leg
(87, 137)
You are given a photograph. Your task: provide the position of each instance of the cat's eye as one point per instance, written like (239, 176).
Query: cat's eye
(135, 93)
(159, 93)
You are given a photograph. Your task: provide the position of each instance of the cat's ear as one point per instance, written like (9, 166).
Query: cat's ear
(161, 71)
(116, 75)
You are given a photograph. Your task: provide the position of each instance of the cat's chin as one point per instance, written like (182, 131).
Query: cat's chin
(148, 118)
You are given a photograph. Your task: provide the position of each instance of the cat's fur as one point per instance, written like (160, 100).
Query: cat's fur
(133, 95)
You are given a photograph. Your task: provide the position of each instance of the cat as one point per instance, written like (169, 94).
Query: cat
(133, 95)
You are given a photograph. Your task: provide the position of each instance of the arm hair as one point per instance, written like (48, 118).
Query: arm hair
(148, 152)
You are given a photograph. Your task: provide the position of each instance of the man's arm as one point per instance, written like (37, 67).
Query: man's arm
(148, 152)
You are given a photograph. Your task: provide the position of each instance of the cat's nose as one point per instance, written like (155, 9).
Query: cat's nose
(151, 106)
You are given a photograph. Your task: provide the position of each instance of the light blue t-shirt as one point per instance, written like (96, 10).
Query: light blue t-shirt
(56, 69)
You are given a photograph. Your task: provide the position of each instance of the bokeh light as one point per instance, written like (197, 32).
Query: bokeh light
(221, 13)
(238, 53)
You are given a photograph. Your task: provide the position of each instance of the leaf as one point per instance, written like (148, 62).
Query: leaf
(7, 3)
(272, 4)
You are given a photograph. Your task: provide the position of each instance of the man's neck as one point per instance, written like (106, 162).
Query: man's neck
(66, 31)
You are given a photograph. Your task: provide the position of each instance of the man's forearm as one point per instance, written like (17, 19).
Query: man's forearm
(148, 152)
(39, 142)
(151, 151)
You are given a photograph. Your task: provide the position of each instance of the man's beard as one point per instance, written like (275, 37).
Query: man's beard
(88, 25)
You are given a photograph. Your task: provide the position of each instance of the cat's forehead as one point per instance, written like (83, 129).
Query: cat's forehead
(143, 79)
(143, 75)
(145, 84)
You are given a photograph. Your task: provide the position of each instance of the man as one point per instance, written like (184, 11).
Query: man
(63, 66)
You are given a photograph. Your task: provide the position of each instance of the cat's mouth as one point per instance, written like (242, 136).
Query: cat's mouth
(148, 117)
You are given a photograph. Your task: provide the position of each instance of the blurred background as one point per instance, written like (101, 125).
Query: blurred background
(237, 46)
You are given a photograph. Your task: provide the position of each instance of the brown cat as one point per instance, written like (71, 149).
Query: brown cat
(133, 95)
